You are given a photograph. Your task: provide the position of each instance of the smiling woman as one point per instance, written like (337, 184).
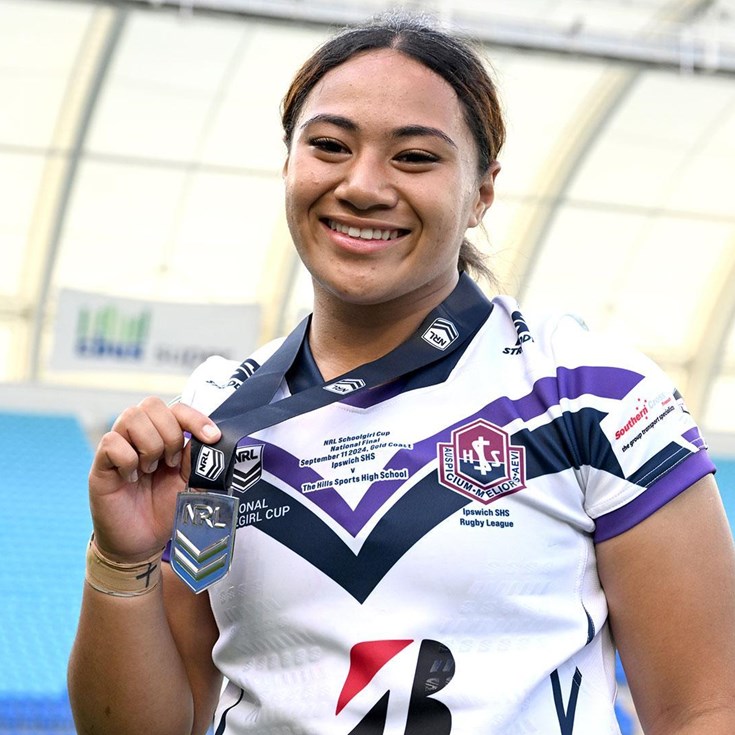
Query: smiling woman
(418, 513)
(377, 143)
(449, 59)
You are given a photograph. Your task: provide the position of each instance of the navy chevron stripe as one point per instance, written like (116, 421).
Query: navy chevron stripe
(574, 440)
(550, 448)
(427, 504)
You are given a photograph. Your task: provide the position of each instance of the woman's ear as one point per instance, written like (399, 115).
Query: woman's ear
(485, 194)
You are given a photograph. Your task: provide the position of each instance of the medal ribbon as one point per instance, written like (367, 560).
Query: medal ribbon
(249, 409)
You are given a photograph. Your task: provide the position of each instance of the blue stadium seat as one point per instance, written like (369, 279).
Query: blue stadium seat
(44, 493)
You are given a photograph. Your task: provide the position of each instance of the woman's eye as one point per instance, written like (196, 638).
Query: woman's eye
(417, 157)
(328, 145)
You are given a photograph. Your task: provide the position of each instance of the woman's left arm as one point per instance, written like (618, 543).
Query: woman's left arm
(670, 585)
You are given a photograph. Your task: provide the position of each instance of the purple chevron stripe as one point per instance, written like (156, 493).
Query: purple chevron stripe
(601, 381)
(286, 467)
(606, 382)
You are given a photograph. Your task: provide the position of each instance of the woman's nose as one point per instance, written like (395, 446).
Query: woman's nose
(366, 184)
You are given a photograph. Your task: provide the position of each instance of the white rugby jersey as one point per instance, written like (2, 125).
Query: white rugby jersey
(419, 559)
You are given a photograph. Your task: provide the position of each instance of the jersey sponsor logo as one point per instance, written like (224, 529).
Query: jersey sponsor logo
(480, 462)
(210, 463)
(523, 334)
(345, 386)
(414, 711)
(644, 410)
(441, 334)
(248, 467)
(646, 416)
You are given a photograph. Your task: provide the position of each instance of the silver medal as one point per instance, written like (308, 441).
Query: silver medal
(203, 538)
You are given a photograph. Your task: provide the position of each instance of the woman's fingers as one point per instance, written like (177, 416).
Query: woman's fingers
(146, 434)
(196, 423)
(115, 455)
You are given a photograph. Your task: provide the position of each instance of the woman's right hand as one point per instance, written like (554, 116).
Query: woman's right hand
(139, 467)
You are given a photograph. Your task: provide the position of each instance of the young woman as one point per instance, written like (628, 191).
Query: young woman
(447, 538)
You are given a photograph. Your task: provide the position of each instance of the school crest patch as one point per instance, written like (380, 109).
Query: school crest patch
(480, 462)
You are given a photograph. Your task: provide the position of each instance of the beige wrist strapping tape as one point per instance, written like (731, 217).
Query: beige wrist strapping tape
(122, 580)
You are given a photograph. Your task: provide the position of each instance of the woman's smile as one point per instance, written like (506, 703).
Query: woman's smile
(371, 232)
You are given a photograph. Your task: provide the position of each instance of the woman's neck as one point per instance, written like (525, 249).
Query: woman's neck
(343, 336)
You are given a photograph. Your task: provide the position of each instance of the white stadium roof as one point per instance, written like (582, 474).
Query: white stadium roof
(140, 158)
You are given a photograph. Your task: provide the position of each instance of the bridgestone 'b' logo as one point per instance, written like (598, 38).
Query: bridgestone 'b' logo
(440, 334)
(210, 463)
(374, 688)
(424, 715)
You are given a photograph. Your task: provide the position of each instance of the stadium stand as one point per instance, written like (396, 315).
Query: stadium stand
(45, 526)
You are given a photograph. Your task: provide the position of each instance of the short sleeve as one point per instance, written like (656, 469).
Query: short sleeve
(217, 378)
(209, 384)
(644, 447)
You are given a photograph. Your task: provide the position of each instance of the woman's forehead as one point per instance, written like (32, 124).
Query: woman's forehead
(386, 85)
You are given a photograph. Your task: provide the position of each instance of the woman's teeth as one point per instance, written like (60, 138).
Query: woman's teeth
(365, 233)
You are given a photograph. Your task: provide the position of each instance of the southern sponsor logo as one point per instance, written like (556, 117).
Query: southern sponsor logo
(480, 462)
(345, 386)
(210, 463)
(647, 414)
(248, 467)
(440, 334)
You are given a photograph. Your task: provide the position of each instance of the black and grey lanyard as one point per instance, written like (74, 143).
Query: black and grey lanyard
(205, 521)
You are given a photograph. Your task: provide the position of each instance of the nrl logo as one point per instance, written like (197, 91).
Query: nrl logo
(248, 467)
(210, 463)
(481, 463)
(346, 385)
(203, 538)
(440, 334)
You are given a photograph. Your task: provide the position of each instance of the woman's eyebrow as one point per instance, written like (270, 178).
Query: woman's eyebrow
(405, 131)
(408, 131)
(339, 120)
